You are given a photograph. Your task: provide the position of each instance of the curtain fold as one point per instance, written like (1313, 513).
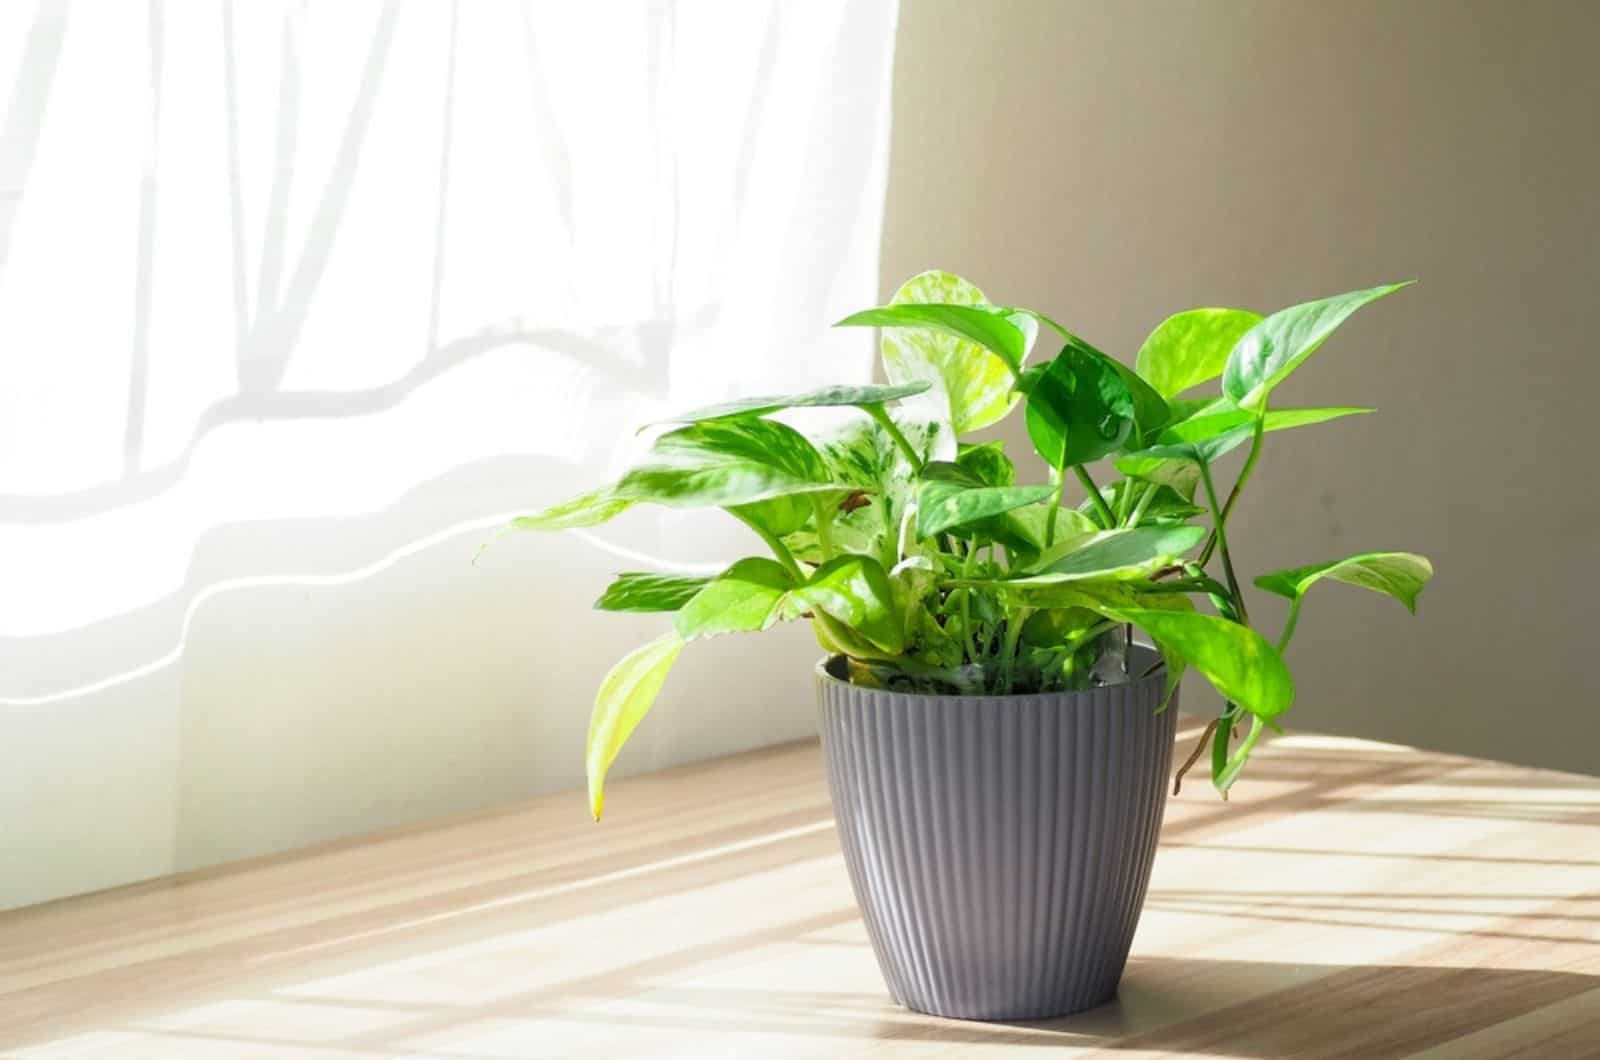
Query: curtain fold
(267, 261)
(298, 303)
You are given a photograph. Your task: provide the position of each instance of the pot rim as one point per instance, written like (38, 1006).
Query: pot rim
(1157, 676)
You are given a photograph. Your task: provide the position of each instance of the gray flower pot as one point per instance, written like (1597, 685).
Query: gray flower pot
(999, 846)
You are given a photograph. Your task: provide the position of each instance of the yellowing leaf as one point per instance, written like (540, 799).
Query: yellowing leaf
(625, 696)
(1189, 348)
(976, 380)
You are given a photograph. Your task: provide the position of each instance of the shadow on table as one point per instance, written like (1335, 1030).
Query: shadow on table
(1165, 1004)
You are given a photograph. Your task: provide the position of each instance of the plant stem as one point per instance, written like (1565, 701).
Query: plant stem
(779, 549)
(1199, 749)
(1144, 503)
(1249, 465)
(1238, 485)
(882, 417)
(1100, 504)
(1288, 624)
(824, 518)
(1221, 741)
(890, 554)
(1060, 483)
(1222, 544)
(969, 641)
(1008, 648)
(1236, 761)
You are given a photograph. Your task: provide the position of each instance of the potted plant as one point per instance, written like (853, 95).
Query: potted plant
(997, 741)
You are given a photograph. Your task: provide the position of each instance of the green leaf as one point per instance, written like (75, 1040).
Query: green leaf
(1022, 530)
(859, 455)
(744, 598)
(1166, 506)
(1050, 627)
(1175, 457)
(1183, 408)
(939, 328)
(863, 456)
(828, 396)
(988, 462)
(723, 463)
(1401, 575)
(1235, 425)
(624, 698)
(1285, 419)
(1189, 348)
(586, 509)
(1181, 475)
(1103, 596)
(950, 496)
(998, 330)
(855, 591)
(1150, 411)
(638, 591)
(1275, 347)
(1113, 599)
(1079, 408)
(1113, 553)
(778, 516)
(1237, 660)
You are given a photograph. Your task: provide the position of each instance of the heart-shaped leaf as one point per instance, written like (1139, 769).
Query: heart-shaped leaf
(988, 462)
(744, 598)
(648, 591)
(1022, 530)
(1278, 344)
(1191, 347)
(1079, 408)
(625, 696)
(996, 329)
(939, 328)
(855, 591)
(1401, 575)
(781, 516)
(723, 463)
(1150, 411)
(950, 496)
(830, 396)
(1237, 660)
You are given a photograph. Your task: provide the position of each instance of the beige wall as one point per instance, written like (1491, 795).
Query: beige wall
(1112, 163)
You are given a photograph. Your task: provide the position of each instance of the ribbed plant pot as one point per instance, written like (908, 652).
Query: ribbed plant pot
(999, 846)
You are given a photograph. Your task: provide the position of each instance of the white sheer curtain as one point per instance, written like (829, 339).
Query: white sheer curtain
(292, 294)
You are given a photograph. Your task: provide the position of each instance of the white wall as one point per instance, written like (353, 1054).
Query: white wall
(1113, 163)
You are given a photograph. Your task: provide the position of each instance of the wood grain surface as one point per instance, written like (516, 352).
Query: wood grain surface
(1352, 900)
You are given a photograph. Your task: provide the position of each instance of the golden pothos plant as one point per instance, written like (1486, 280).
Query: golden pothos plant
(926, 563)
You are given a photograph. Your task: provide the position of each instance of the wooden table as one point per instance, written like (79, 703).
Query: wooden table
(1352, 900)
